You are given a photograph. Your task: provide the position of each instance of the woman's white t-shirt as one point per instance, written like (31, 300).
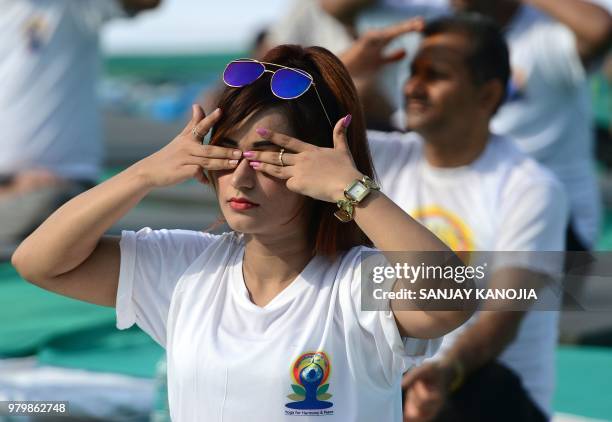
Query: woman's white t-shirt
(231, 360)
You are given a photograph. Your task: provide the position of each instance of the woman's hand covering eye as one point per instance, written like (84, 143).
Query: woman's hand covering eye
(185, 157)
(317, 172)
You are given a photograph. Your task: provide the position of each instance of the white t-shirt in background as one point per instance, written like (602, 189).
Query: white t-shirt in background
(548, 113)
(231, 360)
(307, 24)
(503, 201)
(49, 63)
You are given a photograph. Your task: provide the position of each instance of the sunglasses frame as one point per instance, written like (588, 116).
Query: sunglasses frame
(299, 71)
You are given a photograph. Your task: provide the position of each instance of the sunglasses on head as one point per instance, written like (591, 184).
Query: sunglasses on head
(286, 83)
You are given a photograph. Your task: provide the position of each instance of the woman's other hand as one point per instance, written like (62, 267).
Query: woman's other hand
(185, 157)
(317, 172)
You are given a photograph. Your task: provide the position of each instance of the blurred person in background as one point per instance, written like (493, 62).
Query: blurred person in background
(338, 23)
(477, 192)
(553, 45)
(602, 92)
(52, 137)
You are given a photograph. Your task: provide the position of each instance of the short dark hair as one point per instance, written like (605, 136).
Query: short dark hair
(328, 236)
(489, 58)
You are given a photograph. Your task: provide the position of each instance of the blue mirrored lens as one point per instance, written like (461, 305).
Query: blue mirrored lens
(239, 74)
(288, 83)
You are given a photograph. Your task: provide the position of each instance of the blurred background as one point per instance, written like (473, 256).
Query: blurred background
(154, 66)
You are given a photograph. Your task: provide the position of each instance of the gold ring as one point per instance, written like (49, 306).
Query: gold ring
(197, 134)
(280, 157)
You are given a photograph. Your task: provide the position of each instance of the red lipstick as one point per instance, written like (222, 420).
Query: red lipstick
(241, 204)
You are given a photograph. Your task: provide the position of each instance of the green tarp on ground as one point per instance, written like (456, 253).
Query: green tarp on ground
(584, 381)
(67, 332)
(104, 349)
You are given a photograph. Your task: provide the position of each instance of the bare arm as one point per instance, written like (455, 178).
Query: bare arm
(366, 58)
(591, 24)
(59, 255)
(497, 326)
(68, 254)
(391, 229)
(428, 386)
(324, 173)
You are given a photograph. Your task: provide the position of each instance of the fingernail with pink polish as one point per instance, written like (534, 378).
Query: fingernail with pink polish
(347, 121)
(262, 132)
(255, 164)
(248, 154)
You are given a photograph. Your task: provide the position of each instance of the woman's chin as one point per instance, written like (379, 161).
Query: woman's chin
(242, 225)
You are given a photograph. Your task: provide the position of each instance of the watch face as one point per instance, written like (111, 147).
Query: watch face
(357, 191)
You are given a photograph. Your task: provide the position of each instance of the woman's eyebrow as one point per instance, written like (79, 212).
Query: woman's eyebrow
(227, 142)
(261, 144)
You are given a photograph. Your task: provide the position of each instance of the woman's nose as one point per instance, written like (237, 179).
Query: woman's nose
(243, 176)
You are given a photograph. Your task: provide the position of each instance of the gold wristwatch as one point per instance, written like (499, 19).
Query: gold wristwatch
(354, 193)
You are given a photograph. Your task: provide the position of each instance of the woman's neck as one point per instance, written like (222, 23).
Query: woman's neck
(271, 263)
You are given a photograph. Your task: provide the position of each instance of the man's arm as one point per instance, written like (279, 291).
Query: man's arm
(429, 385)
(590, 23)
(366, 58)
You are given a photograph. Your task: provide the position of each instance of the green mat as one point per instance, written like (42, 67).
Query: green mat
(584, 381)
(605, 237)
(66, 332)
(104, 349)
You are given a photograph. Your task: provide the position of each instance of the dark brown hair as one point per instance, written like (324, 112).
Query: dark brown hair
(327, 234)
(488, 58)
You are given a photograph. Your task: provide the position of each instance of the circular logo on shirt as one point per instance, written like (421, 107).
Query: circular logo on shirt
(309, 373)
(449, 228)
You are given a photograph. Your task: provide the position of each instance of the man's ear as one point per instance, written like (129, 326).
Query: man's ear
(492, 95)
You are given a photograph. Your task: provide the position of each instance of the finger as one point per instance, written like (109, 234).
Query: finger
(412, 376)
(214, 151)
(340, 142)
(394, 56)
(197, 114)
(272, 170)
(271, 157)
(411, 411)
(394, 31)
(426, 400)
(284, 141)
(204, 125)
(217, 163)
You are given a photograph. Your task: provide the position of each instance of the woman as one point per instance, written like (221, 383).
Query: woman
(263, 322)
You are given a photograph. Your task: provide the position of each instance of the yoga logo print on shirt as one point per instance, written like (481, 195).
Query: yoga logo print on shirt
(309, 374)
(449, 228)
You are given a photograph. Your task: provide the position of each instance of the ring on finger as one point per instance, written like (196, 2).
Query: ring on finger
(197, 134)
(280, 157)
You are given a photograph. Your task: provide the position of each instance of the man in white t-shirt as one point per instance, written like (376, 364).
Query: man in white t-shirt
(476, 191)
(52, 138)
(337, 25)
(547, 113)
